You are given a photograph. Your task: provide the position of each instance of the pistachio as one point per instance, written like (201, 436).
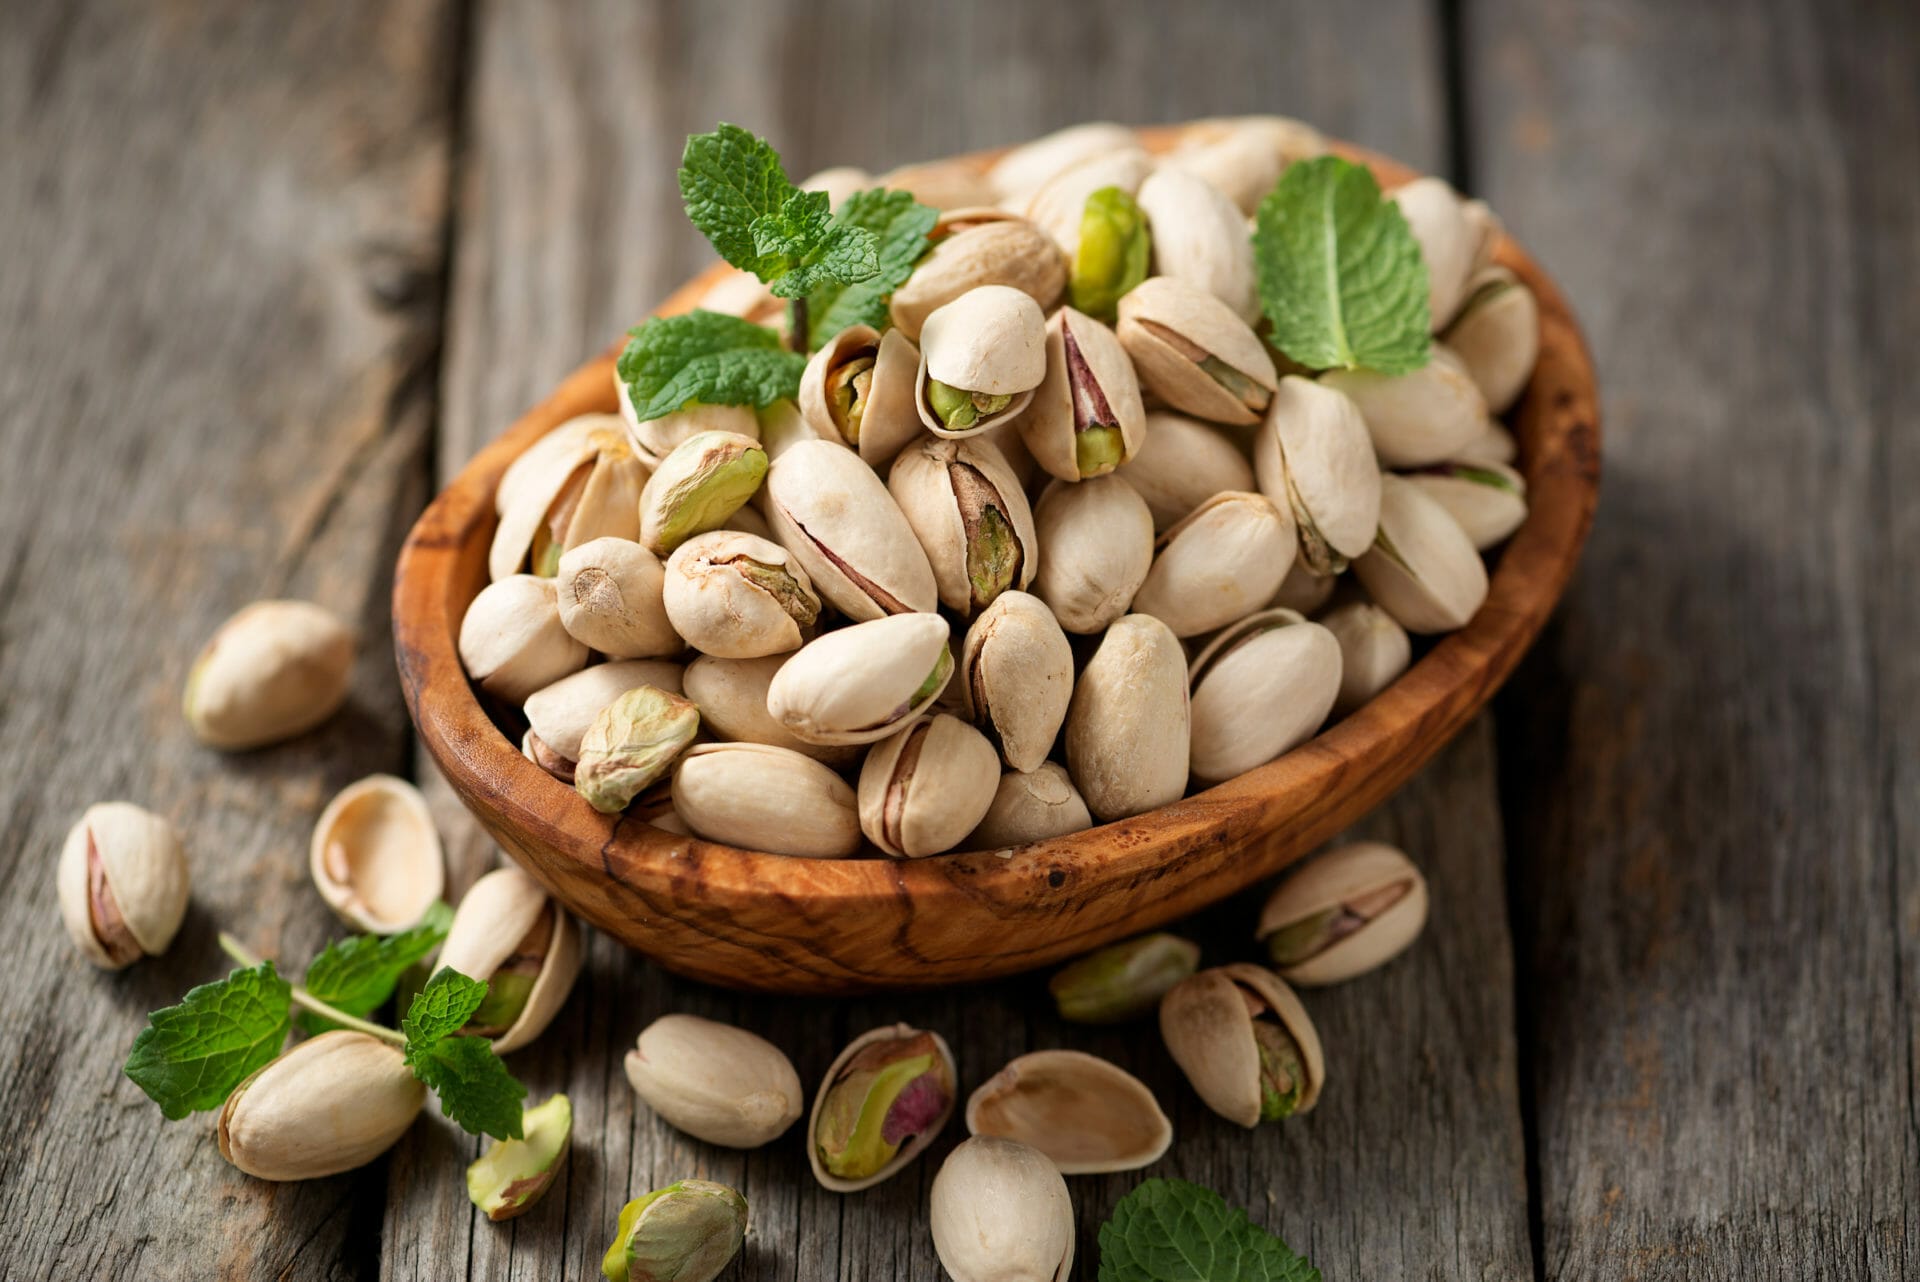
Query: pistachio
(732, 697)
(512, 1175)
(1245, 1043)
(1497, 336)
(1087, 1115)
(1123, 981)
(375, 856)
(1031, 806)
(1096, 546)
(884, 1100)
(274, 670)
(1491, 444)
(1059, 206)
(510, 935)
(761, 797)
(123, 884)
(609, 595)
(782, 425)
(1016, 676)
(568, 497)
(632, 742)
(862, 683)
(1111, 253)
(736, 596)
(836, 517)
(981, 356)
(1000, 1212)
(1194, 353)
(1223, 561)
(1004, 251)
(512, 641)
(1423, 569)
(943, 184)
(561, 448)
(1026, 168)
(716, 1082)
(1345, 913)
(1200, 236)
(1261, 688)
(1303, 591)
(558, 715)
(838, 183)
(1127, 727)
(1489, 500)
(688, 1231)
(859, 389)
(1314, 457)
(1086, 418)
(656, 438)
(697, 487)
(971, 516)
(1181, 463)
(1374, 651)
(328, 1104)
(923, 790)
(1451, 242)
(1243, 155)
(1419, 418)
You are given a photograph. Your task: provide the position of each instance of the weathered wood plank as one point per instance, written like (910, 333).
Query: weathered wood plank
(1714, 760)
(218, 296)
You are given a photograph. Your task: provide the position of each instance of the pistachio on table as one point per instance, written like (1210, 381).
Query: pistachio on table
(1245, 1043)
(999, 1210)
(524, 946)
(1123, 981)
(688, 1231)
(1128, 723)
(732, 697)
(609, 593)
(971, 516)
(697, 487)
(1224, 560)
(924, 789)
(981, 356)
(511, 639)
(859, 388)
(883, 1101)
(274, 670)
(558, 715)
(512, 1175)
(1195, 353)
(1200, 236)
(630, 744)
(834, 514)
(863, 682)
(584, 489)
(326, 1105)
(1343, 914)
(716, 1082)
(1496, 335)
(766, 798)
(1423, 569)
(1314, 457)
(1086, 418)
(375, 856)
(1016, 678)
(1031, 806)
(1181, 463)
(1374, 651)
(1087, 1115)
(737, 596)
(122, 883)
(1004, 250)
(1260, 688)
(1096, 546)
(1488, 499)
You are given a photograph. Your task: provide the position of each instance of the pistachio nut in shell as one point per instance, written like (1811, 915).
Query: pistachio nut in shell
(1123, 981)
(1089, 1116)
(1314, 457)
(535, 464)
(558, 715)
(716, 1082)
(1374, 651)
(1181, 463)
(1195, 353)
(512, 1175)
(1261, 688)
(943, 184)
(1450, 242)
(783, 425)
(1128, 723)
(732, 697)
(1303, 591)
(1086, 418)
(274, 670)
(1225, 560)
(1415, 419)
(1344, 913)
(834, 514)
(1243, 156)
(655, 438)
(1000, 1212)
(1113, 253)
(1200, 236)
(375, 856)
(1497, 336)
(838, 182)
(1493, 443)
(524, 946)
(760, 797)
(1423, 569)
(924, 789)
(123, 884)
(1096, 546)
(688, 1231)
(1489, 500)
(981, 356)
(631, 744)
(1059, 205)
(861, 683)
(571, 497)
(1031, 806)
(1022, 170)
(1245, 1043)
(859, 388)
(608, 592)
(512, 641)
(737, 596)
(1005, 251)
(326, 1105)
(971, 516)
(697, 487)
(885, 1098)
(1016, 677)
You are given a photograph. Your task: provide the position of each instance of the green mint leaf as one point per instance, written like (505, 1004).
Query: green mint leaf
(672, 361)
(737, 194)
(443, 1007)
(1173, 1231)
(474, 1087)
(842, 255)
(900, 224)
(1341, 276)
(191, 1056)
(359, 974)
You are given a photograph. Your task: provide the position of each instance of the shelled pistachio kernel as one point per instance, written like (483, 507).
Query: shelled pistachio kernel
(631, 744)
(895, 1087)
(512, 1175)
(686, 1232)
(1124, 980)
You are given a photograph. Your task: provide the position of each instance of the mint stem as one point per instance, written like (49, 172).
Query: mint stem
(239, 952)
(797, 325)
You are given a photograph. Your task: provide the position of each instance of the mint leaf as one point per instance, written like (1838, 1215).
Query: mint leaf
(737, 194)
(1341, 276)
(191, 1056)
(474, 1087)
(359, 974)
(443, 1007)
(1173, 1231)
(672, 361)
(900, 224)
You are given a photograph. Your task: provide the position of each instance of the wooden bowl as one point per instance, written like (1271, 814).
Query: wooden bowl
(747, 919)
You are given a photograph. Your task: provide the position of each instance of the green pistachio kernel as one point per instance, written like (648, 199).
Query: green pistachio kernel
(686, 1232)
(1282, 1076)
(942, 669)
(799, 603)
(1112, 258)
(993, 556)
(1123, 981)
(713, 475)
(630, 744)
(1243, 389)
(890, 1091)
(847, 390)
(1098, 450)
(514, 1174)
(960, 409)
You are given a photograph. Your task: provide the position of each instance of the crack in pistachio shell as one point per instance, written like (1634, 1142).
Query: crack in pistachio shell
(1320, 556)
(103, 912)
(550, 537)
(1098, 443)
(1248, 632)
(1392, 553)
(1312, 935)
(894, 811)
(1113, 255)
(1282, 1075)
(1236, 383)
(802, 606)
(959, 408)
(868, 588)
(513, 979)
(848, 387)
(1478, 475)
(994, 554)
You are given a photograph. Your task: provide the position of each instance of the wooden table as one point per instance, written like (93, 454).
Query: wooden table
(268, 272)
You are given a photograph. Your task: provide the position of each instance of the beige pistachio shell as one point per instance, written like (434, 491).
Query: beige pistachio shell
(1088, 1115)
(1096, 546)
(736, 596)
(1243, 156)
(783, 425)
(1376, 902)
(1005, 437)
(862, 683)
(1224, 561)
(487, 929)
(909, 1150)
(274, 670)
(1416, 419)
(732, 697)
(971, 516)
(1303, 591)
(1423, 569)
(698, 487)
(760, 797)
(924, 789)
(559, 714)
(716, 1082)
(1450, 242)
(1314, 457)
(609, 595)
(740, 293)
(1128, 723)
(1004, 251)
(1497, 336)
(1493, 443)
(1016, 677)
(943, 184)
(1181, 463)
(838, 182)
(1170, 327)
(1374, 651)
(999, 1212)
(1489, 500)
(1200, 236)
(512, 641)
(834, 514)
(887, 420)
(1026, 168)
(1031, 806)
(329, 1104)
(992, 340)
(571, 497)
(1058, 204)
(375, 856)
(1089, 385)
(1209, 1032)
(568, 440)
(656, 438)
(1261, 688)
(123, 884)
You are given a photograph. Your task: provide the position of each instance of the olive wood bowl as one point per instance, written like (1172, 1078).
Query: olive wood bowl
(748, 919)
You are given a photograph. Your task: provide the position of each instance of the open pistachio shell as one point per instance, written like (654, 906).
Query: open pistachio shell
(1086, 1114)
(1096, 546)
(274, 670)
(760, 797)
(512, 641)
(923, 790)
(981, 356)
(1059, 204)
(999, 1212)
(1260, 688)
(1200, 236)
(1343, 914)
(1374, 651)
(1243, 156)
(1195, 353)
(943, 184)
(971, 516)
(1423, 569)
(122, 883)
(508, 932)
(1225, 560)
(834, 514)
(1208, 1024)
(558, 715)
(736, 596)
(609, 595)
(1128, 723)
(1086, 418)
(1027, 167)
(1489, 500)
(732, 697)
(656, 438)
(535, 464)
(1303, 591)
(1005, 250)
(861, 683)
(1450, 241)
(1497, 336)
(716, 1082)
(859, 388)
(881, 1109)
(1031, 806)
(375, 856)
(1419, 418)
(329, 1104)
(1181, 463)
(1314, 457)
(1016, 677)
(583, 493)
(698, 487)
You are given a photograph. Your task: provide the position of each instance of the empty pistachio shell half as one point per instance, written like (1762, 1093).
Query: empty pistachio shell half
(512, 641)
(274, 670)
(1016, 676)
(1181, 463)
(1489, 500)
(1195, 353)
(999, 1211)
(1123, 981)
(732, 697)
(1374, 651)
(1087, 418)
(523, 945)
(1059, 206)
(1260, 688)
(1024, 169)
(1096, 546)
(859, 389)
(609, 595)
(760, 797)
(1112, 254)
(1303, 591)
(1245, 1043)
(1003, 251)
(375, 856)
(512, 1175)
(1423, 569)
(656, 438)
(923, 790)
(1243, 156)
(716, 1082)
(558, 715)
(981, 356)
(1450, 241)
(1127, 727)
(123, 884)
(631, 744)
(1200, 236)
(971, 516)
(737, 596)
(1087, 1115)
(567, 498)
(1497, 336)
(1314, 457)
(1223, 561)
(943, 184)
(884, 1100)
(688, 1231)
(861, 683)
(1419, 418)
(697, 487)
(1031, 806)
(1344, 913)
(834, 514)
(326, 1105)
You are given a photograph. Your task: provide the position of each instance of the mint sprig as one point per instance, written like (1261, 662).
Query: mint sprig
(474, 1087)
(358, 974)
(190, 1057)
(900, 224)
(672, 361)
(1173, 1231)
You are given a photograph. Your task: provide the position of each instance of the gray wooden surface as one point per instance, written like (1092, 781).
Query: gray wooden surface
(265, 271)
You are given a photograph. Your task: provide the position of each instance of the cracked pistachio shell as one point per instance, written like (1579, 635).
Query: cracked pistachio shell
(631, 744)
(512, 1175)
(716, 1082)
(782, 425)
(123, 884)
(329, 1104)
(1200, 236)
(1026, 168)
(1423, 569)
(559, 714)
(1016, 677)
(1059, 204)
(1225, 560)
(1194, 353)
(508, 925)
(698, 487)
(1344, 913)
(1492, 444)
(1123, 981)
(1416, 419)
(1128, 723)
(1181, 463)
(568, 440)
(924, 789)
(1000, 1212)
(1031, 806)
(609, 595)
(736, 596)
(1260, 688)
(274, 670)
(1451, 241)
(1209, 1030)
(1374, 651)
(1303, 591)
(834, 514)
(656, 438)
(1314, 457)
(759, 797)
(838, 182)
(942, 184)
(1089, 1116)
(991, 342)
(688, 1231)
(732, 697)
(375, 856)
(512, 641)
(859, 389)
(1087, 417)
(568, 497)
(1489, 500)
(1243, 156)
(1005, 251)
(1096, 546)
(740, 293)
(1497, 336)
(971, 516)
(929, 1106)
(859, 684)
